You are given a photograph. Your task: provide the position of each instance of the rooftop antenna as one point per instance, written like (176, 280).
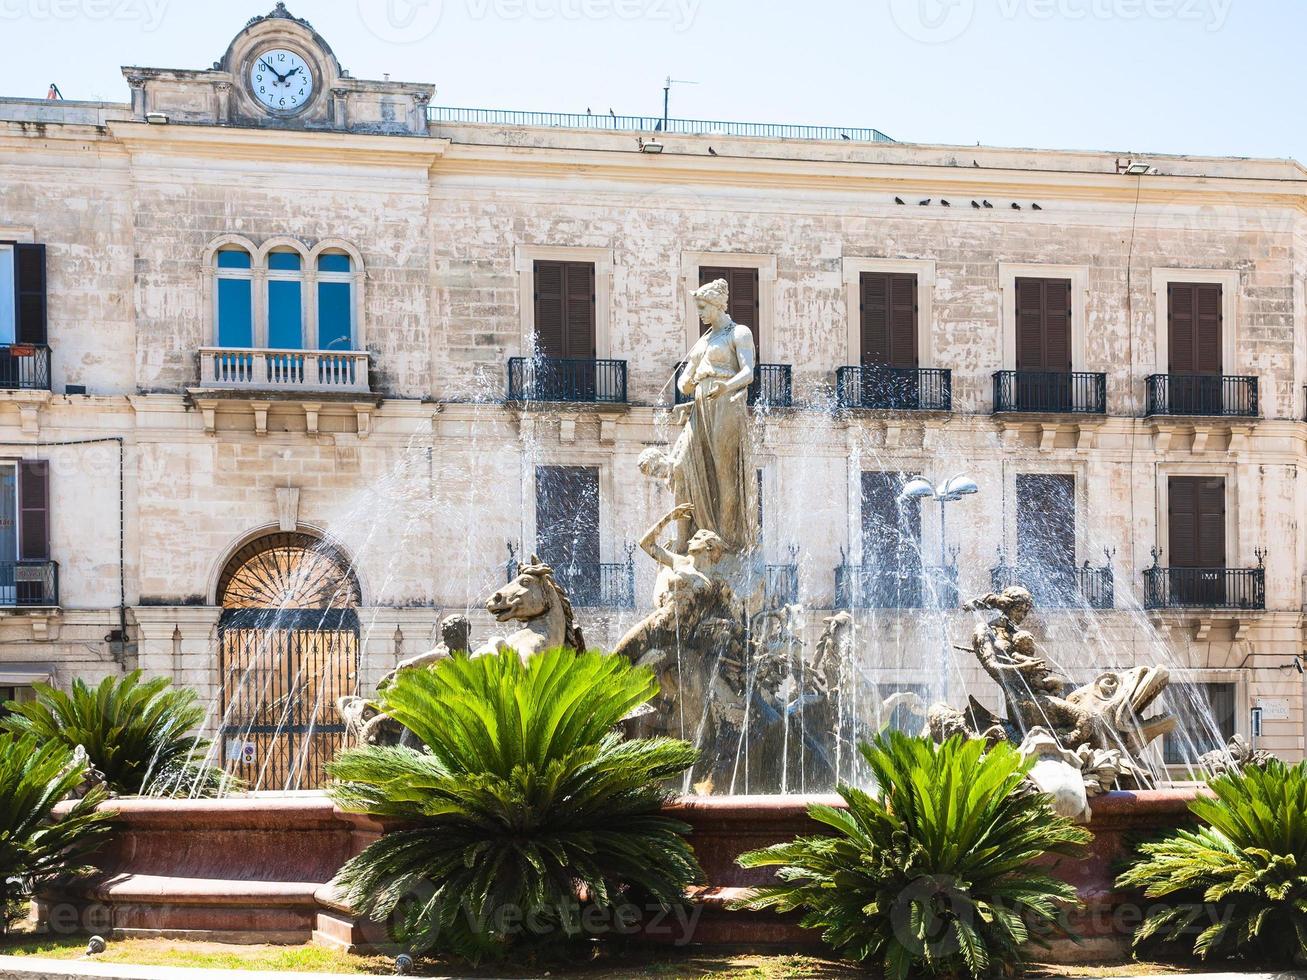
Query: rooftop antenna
(667, 91)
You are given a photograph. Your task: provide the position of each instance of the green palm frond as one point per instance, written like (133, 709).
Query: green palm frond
(34, 846)
(523, 805)
(138, 733)
(1234, 887)
(929, 875)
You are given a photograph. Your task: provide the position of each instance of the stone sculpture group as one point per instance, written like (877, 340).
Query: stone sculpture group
(732, 670)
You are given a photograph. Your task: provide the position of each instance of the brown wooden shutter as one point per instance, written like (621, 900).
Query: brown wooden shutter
(1043, 325)
(567, 514)
(30, 293)
(579, 323)
(1196, 512)
(549, 334)
(1194, 327)
(743, 303)
(888, 304)
(34, 510)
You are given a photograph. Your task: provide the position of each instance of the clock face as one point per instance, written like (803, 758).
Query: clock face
(280, 80)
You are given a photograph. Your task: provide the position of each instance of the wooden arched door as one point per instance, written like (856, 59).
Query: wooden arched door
(288, 640)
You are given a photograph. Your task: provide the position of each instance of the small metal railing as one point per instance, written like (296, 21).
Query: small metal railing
(1060, 588)
(29, 583)
(654, 124)
(595, 584)
(876, 587)
(1203, 394)
(1051, 392)
(566, 379)
(1205, 588)
(772, 386)
(25, 366)
(883, 387)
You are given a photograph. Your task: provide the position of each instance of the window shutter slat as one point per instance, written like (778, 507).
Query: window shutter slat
(875, 287)
(579, 319)
(1211, 523)
(903, 321)
(1207, 328)
(34, 510)
(30, 293)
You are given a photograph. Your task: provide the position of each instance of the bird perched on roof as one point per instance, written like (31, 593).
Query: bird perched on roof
(1016, 206)
(845, 136)
(899, 200)
(975, 204)
(1035, 207)
(987, 204)
(711, 151)
(925, 202)
(945, 203)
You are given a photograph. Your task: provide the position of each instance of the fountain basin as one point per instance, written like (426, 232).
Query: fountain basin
(258, 869)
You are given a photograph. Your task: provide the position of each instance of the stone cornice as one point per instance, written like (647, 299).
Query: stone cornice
(264, 144)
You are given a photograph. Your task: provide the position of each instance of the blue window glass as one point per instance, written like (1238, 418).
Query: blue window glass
(285, 261)
(284, 314)
(334, 331)
(333, 262)
(235, 319)
(233, 259)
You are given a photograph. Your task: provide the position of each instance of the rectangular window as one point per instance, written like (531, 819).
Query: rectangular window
(235, 313)
(1196, 521)
(1206, 721)
(567, 528)
(888, 308)
(8, 293)
(565, 309)
(1194, 327)
(1046, 536)
(1043, 324)
(742, 290)
(891, 534)
(334, 316)
(285, 314)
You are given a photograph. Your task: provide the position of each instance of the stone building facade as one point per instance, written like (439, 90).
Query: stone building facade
(174, 458)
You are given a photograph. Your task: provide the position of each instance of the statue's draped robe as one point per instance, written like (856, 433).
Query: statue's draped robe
(716, 467)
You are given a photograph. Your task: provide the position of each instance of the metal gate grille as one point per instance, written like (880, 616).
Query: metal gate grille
(284, 665)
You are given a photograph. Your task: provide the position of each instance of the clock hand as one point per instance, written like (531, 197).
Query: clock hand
(264, 63)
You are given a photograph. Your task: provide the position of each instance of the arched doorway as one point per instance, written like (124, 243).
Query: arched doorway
(288, 639)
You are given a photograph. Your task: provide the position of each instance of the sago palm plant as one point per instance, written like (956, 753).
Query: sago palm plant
(930, 875)
(139, 734)
(34, 846)
(1238, 885)
(525, 808)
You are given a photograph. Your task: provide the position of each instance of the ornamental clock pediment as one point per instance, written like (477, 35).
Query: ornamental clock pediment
(279, 73)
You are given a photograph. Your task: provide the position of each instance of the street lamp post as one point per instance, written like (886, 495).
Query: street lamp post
(955, 488)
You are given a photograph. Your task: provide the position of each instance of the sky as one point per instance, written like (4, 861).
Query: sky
(1217, 77)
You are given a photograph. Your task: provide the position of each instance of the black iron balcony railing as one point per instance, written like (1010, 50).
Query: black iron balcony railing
(876, 587)
(29, 583)
(566, 379)
(1202, 394)
(1053, 392)
(603, 584)
(782, 584)
(1060, 588)
(772, 386)
(1205, 588)
(906, 389)
(25, 366)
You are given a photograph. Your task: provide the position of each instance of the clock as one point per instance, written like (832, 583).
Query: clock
(280, 80)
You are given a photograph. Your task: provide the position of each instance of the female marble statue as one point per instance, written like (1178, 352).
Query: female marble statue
(712, 460)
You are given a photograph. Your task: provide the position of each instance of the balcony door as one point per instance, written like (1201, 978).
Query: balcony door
(1193, 312)
(567, 528)
(742, 306)
(1043, 332)
(888, 308)
(1046, 536)
(565, 329)
(1196, 515)
(891, 543)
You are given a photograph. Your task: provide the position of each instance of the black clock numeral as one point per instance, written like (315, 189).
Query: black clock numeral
(262, 90)
(301, 92)
(281, 56)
